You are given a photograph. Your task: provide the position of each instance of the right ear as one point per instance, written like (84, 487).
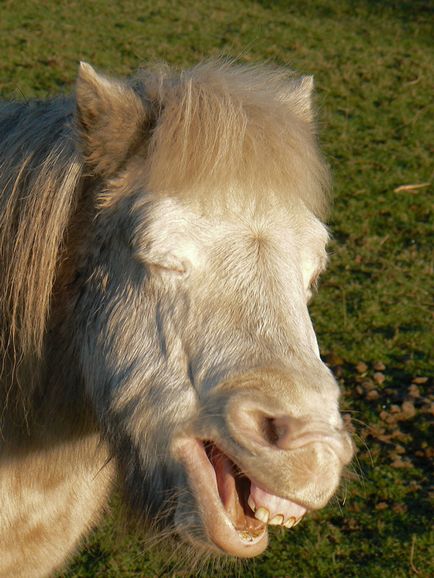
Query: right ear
(299, 97)
(111, 119)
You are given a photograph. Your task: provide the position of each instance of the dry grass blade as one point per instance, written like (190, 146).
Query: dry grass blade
(412, 566)
(414, 187)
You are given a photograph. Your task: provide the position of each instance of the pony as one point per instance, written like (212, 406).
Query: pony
(160, 237)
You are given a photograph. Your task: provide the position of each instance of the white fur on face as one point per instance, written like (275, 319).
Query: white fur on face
(179, 234)
(215, 300)
(265, 262)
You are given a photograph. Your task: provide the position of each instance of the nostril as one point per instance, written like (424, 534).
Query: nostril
(281, 431)
(269, 431)
(253, 426)
(286, 428)
(253, 429)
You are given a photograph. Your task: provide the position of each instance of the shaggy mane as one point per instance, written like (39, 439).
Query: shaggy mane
(39, 175)
(226, 130)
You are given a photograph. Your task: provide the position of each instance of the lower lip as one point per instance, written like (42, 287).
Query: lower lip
(218, 525)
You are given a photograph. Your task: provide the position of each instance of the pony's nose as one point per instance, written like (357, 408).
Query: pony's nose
(257, 428)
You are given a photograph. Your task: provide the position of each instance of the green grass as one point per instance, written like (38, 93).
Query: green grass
(372, 61)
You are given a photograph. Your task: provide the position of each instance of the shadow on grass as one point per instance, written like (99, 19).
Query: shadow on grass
(398, 9)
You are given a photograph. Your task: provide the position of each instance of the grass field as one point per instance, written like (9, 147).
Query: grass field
(373, 65)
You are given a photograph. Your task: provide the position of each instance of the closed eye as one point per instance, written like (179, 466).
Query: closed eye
(166, 263)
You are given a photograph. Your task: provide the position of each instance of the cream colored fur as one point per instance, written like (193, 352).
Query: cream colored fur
(48, 498)
(159, 239)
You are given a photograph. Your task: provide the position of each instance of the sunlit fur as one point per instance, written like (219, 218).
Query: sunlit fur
(158, 240)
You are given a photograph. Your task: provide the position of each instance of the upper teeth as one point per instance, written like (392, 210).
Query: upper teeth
(290, 522)
(263, 515)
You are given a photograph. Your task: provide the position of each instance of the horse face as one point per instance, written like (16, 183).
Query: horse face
(199, 356)
(203, 364)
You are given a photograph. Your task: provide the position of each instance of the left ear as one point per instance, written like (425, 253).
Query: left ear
(111, 118)
(299, 96)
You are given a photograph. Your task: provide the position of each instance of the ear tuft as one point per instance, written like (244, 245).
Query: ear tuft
(86, 68)
(299, 96)
(307, 83)
(110, 119)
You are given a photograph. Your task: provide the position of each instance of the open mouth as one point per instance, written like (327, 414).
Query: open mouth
(234, 510)
(234, 491)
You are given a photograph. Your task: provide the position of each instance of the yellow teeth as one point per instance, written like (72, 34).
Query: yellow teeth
(262, 514)
(290, 522)
(276, 520)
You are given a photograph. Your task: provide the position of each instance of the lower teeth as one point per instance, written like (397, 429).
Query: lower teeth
(246, 536)
(250, 536)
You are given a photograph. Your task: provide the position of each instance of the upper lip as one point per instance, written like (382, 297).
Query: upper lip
(264, 486)
(342, 447)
